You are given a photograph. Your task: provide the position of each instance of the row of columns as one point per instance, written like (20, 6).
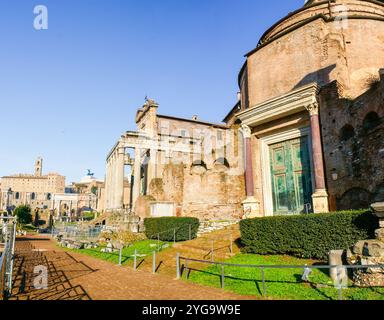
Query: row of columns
(320, 196)
(114, 184)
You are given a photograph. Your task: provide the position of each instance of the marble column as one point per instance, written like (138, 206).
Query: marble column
(119, 183)
(113, 182)
(107, 200)
(251, 206)
(320, 197)
(137, 177)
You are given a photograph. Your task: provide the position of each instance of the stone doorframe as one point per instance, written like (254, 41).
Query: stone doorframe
(295, 101)
(265, 144)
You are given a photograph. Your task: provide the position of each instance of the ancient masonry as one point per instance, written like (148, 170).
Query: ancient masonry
(305, 136)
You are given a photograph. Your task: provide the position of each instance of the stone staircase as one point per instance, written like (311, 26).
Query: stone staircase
(224, 243)
(207, 227)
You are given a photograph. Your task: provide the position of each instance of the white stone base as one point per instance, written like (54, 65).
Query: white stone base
(251, 208)
(320, 201)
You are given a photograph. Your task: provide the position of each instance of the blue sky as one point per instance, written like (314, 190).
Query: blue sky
(67, 93)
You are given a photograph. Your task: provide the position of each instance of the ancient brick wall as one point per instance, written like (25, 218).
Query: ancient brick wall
(353, 140)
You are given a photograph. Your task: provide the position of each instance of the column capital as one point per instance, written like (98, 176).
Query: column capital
(246, 130)
(121, 150)
(313, 108)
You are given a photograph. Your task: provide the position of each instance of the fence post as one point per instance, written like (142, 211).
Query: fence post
(212, 249)
(222, 277)
(186, 269)
(120, 256)
(135, 261)
(12, 253)
(263, 279)
(178, 266)
(154, 262)
(190, 232)
(339, 283)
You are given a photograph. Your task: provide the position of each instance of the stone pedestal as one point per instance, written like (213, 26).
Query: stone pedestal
(336, 259)
(370, 253)
(251, 208)
(320, 201)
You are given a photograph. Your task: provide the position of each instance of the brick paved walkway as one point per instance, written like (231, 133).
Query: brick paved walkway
(79, 277)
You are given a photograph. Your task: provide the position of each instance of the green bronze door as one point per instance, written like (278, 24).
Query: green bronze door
(291, 176)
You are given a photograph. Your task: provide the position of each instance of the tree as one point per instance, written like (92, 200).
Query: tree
(23, 214)
(94, 190)
(37, 217)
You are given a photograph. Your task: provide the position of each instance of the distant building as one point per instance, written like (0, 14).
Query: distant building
(89, 185)
(72, 206)
(35, 190)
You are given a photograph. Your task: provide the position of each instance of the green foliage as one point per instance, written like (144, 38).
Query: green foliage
(307, 236)
(166, 226)
(36, 219)
(94, 190)
(280, 284)
(23, 214)
(88, 215)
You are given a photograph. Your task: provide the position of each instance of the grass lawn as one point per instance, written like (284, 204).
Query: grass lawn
(282, 284)
(145, 247)
(29, 228)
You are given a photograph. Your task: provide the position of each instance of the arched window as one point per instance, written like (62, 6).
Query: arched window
(371, 121)
(49, 196)
(347, 132)
(17, 195)
(33, 196)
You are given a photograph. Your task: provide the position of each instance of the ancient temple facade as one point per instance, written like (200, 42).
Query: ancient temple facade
(178, 167)
(312, 103)
(306, 135)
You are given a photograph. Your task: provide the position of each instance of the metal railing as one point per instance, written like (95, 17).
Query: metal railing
(307, 269)
(76, 232)
(173, 232)
(8, 235)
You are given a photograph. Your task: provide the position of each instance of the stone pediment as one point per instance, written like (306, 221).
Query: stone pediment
(276, 108)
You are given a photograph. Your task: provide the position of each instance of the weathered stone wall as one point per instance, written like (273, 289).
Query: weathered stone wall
(354, 145)
(208, 194)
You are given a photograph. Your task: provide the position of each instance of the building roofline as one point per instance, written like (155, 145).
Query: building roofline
(216, 125)
(236, 106)
(310, 4)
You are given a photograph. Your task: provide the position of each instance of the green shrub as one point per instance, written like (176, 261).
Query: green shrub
(307, 236)
(88, 215)
(166, 226)
(23, 214)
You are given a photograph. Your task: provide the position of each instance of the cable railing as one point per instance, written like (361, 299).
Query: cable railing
(307, 269)
(7, 255)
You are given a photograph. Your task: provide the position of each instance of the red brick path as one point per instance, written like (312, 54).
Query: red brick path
(80, 277)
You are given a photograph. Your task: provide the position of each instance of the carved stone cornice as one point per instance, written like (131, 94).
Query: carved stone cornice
(279, 107)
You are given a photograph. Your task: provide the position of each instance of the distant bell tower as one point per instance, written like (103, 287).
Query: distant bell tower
(39, 167)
